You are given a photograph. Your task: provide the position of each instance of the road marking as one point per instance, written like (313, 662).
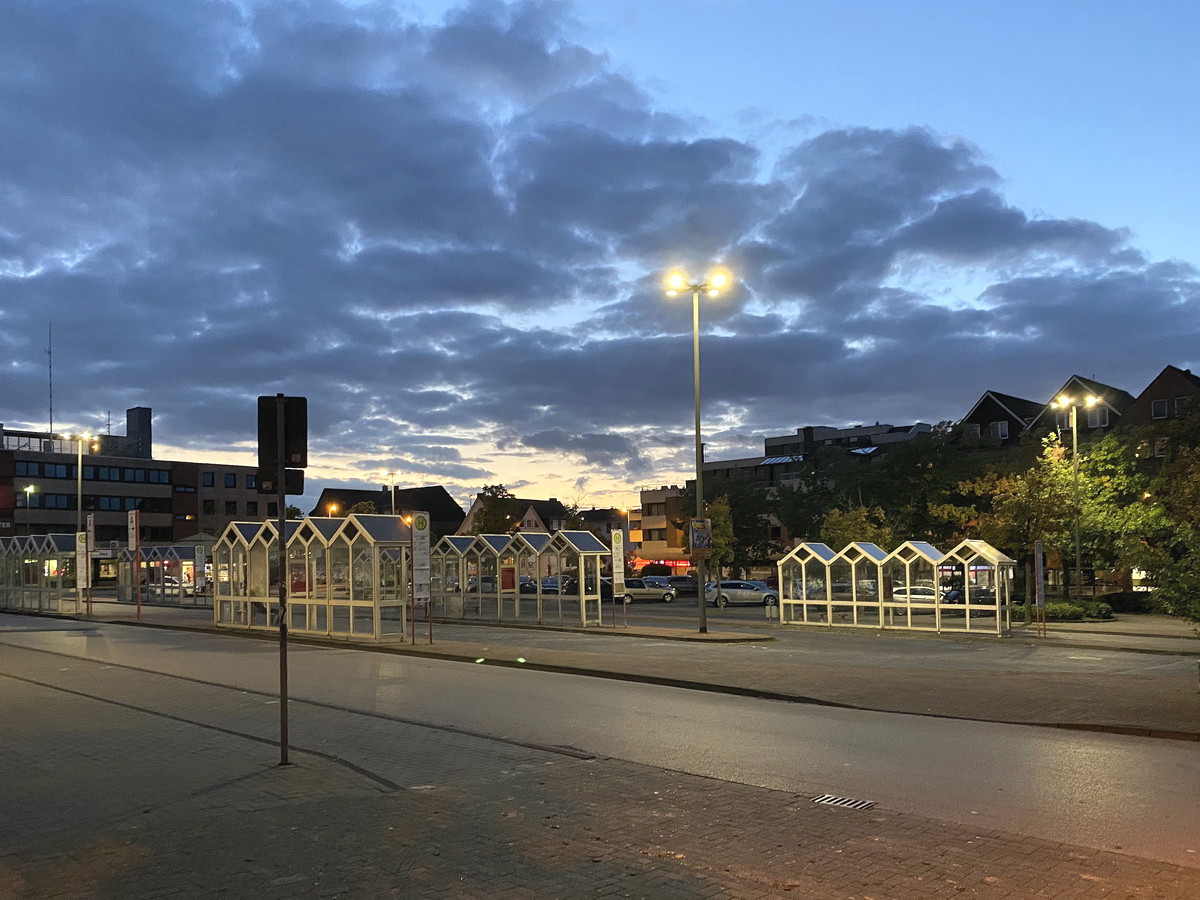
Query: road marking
(1085, 657)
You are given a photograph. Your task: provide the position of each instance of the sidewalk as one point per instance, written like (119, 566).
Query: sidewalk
(123, 783)
(1065, 680)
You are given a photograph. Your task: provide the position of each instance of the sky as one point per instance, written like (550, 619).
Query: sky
(446, 224)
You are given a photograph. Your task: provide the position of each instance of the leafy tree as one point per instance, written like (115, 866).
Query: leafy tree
(293, 512)
(362, 508)
(722, 535)
(1173, 560)
(497, 512)
(841, 527)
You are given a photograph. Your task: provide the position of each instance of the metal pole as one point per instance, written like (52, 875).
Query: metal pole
(1075, 470)
(280, 496)
(392, 486)
(87, 556)
(700, 567)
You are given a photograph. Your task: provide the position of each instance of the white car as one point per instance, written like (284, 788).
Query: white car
(917, 593)
(173, 585)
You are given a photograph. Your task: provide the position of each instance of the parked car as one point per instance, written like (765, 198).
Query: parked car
(685, 585)
(658, 581)
(642, 589)
(173, 585)
(560, 584)
(740, 592)
(917, 593)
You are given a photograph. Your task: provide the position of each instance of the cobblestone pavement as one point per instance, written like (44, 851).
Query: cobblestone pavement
(121, 783)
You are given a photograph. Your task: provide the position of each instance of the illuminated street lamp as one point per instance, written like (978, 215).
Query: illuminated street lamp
(1073, 404)
(675, 284)
(29, 491)
(391, 476)
(331, 509)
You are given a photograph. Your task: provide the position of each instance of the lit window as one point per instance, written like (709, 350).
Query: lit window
(999, 430)
(1098, 417)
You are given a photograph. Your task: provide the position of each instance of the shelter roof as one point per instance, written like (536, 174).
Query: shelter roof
(458, 544)
(583, 541)
(923, 549)
(380, 529)
(496, 543)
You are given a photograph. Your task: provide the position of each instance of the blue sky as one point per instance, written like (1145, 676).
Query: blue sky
(446, 223)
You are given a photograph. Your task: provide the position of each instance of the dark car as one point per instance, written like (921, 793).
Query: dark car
(684, 585)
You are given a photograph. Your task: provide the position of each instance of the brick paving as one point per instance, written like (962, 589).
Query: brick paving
(121, 783)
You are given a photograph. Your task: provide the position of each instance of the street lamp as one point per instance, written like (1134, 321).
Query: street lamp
(79, 439)
(391, 476)
(29, 490)
(675, 284)
(1073, 404)
(331, 509)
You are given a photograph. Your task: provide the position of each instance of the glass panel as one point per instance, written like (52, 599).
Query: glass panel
(363, 621)
(320, 618)
(339, 619)
(391, 620)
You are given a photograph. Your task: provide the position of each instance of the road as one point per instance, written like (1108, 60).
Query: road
(1103, 791)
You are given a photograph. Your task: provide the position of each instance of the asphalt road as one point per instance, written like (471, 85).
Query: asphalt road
(1095, 790)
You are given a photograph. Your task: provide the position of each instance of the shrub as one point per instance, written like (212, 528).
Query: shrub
(1063, 612)
(1096, 609)
(1132, 602)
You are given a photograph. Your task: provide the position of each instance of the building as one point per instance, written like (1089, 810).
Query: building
(1001, 417)
(44, 489)
(1104, 415)
(1166, 397)
(660, 541)
(527, 515)
(445, 515)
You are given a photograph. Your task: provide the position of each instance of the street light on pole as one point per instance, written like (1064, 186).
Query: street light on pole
(675, 284)
(391, 476)
(29, 491)
(1073, 404)
(79, 439)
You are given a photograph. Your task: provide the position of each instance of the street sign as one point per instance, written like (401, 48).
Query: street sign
(618, 563)
(295, 434)
(700, 538)
(83, 561)
(133, 528)
(420, 552)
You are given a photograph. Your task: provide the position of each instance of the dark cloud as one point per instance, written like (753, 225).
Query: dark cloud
(450, 237)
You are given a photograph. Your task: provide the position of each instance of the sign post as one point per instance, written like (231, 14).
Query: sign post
(1039, 586)
(282, 443)
(134, 528)
(419, 549)
(91, 548)
(618, 575)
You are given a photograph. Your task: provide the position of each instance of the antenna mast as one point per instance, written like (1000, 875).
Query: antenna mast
(50, 367)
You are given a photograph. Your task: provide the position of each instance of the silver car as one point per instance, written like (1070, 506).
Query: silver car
(740, 592)
(641, 589)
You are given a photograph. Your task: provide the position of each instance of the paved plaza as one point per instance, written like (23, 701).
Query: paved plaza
(127, 783)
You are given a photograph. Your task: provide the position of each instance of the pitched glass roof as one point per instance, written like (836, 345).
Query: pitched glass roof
(776, 460)
(457, 543)
(584, 541)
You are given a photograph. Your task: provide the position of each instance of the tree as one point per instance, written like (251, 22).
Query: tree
(722, 535)
(293, 512)
(751, 504)
(362, 508)
(497, 511)
(841, 527)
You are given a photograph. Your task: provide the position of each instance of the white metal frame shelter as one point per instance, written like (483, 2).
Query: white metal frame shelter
(581, 553)
(804, 585)
(908, 571)
(985, 575)
(38, 573)
(860, 565)
(448, 561)
(346, 578)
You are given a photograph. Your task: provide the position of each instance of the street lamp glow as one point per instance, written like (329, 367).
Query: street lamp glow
(675, 284)
(1073, 404)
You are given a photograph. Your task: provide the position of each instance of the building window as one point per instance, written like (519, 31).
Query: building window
(1181, 405)
(210, 507)
(252, 507)
(231, 507)
(251, 482)
(971, 429)
(273, 510)
(207, 479)
(1160, 447)
(230, 480)
(1098, 417)
(999, 430)
(1158, 409)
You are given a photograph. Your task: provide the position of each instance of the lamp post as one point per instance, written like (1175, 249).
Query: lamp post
(391, 475)
(79, 439)
(677, 283)
(331, 509)
(1073, 404)
(29, 491)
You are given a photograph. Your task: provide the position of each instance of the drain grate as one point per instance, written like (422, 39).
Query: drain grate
(844, 802)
